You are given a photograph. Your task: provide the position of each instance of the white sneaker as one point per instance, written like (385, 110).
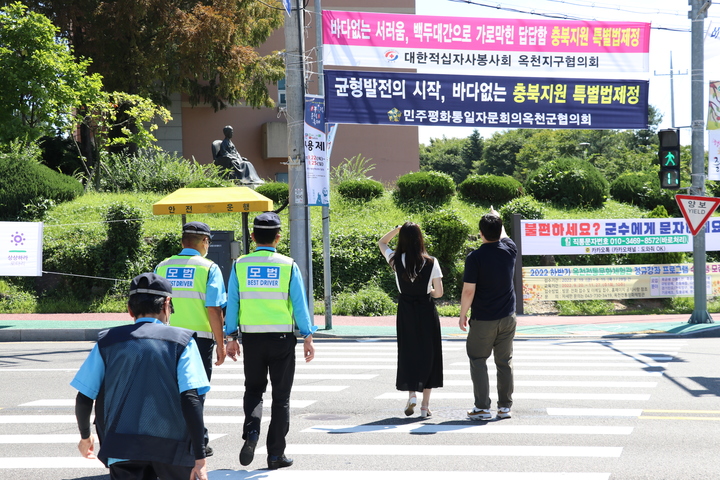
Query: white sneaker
(504, 412)
(478, 414)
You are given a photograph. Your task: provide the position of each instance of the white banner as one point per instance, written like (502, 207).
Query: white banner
(505, 46)
(615, 281)
(713, 155)
(631, 235)
(21, 249)
(317, 165)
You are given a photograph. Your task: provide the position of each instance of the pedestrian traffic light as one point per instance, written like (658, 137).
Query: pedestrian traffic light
(669, 155)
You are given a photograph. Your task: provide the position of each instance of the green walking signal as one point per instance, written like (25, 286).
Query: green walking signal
(669, 155)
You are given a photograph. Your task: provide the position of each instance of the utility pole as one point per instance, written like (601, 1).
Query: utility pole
(697, 16)
(327, 280)
(295, 88)
(672, 89)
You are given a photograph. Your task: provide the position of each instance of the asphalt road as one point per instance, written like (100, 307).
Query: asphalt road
(643, 408)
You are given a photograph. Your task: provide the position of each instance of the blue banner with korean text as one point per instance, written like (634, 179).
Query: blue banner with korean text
(385, 98)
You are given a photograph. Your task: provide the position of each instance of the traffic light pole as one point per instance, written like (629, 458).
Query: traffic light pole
(697, 15)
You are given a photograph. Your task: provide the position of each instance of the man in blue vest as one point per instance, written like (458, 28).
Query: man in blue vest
(198, 293)
(266, 299)
(146, 380)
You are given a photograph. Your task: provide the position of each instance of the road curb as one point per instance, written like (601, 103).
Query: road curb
(50, 334)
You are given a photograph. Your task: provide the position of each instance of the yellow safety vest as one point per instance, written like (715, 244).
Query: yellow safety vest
(188, 277)
(264, 288)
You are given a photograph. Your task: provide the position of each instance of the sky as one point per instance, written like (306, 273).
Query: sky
(670, 35)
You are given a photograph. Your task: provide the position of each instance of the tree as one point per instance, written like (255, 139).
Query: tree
(42, 81)
(445, 155)
(500, 151)
(153, 48)
(544, 146)
(473, 149)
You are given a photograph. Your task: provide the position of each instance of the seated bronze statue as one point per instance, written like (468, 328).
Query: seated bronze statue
(236, 167)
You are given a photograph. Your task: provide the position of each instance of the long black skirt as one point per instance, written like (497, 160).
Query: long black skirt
(420, 363)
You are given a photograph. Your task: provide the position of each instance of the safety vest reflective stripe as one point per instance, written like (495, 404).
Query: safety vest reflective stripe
(188, 294)
(264, 295)
(263, 259)
(266, 328)
(186, 261)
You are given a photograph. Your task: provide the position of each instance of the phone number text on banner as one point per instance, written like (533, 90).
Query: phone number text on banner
(405, 41)
(385, 98)
(632, 235)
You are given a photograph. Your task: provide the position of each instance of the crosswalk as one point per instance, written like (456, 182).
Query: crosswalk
(577, 402)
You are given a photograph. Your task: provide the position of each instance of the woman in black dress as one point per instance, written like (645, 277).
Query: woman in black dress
(419, 280)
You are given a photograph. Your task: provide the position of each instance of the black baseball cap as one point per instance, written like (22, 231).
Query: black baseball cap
(197, 228)
(267, 221)
(152, 284)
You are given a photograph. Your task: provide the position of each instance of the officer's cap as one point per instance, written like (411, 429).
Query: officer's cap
(152, 284)
(267, 221)
(197, 228)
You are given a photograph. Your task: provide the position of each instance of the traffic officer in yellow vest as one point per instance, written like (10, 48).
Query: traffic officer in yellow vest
(198, 294)
(266, 299)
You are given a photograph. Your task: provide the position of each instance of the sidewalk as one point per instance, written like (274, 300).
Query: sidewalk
(85, 326)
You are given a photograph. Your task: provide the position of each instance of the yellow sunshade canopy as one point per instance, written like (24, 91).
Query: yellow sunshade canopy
(212, 200)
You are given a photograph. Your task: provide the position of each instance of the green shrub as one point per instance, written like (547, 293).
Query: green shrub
(527, 206)
(355, 260)
(369, 301)
(421, 189)
(124, 238)
(585, 307)
(446, 233)
(278, 192)
(153, 171)
(15, 300)
(83, 256)
(26, 182)
(166, 245)
(362, 190)
(643, 190)
(210, 183)
(491, 189)
(569, 182)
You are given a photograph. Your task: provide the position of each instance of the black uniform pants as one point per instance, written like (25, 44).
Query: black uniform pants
(205, 346)
(263, 354)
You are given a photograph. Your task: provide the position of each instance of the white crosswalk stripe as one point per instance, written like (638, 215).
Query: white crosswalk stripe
(454, 450)
(294, 474)
(574, 400)
(475, 429)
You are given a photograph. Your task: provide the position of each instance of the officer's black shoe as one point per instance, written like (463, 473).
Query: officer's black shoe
(278, 461)
(247, 452)
(208, 451)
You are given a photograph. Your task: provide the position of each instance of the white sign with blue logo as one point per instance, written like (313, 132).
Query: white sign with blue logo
(263, 277)
(181, 277)
(287, 5)
(21, 249)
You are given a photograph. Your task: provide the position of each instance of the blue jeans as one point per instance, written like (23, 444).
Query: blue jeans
(484, 338)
